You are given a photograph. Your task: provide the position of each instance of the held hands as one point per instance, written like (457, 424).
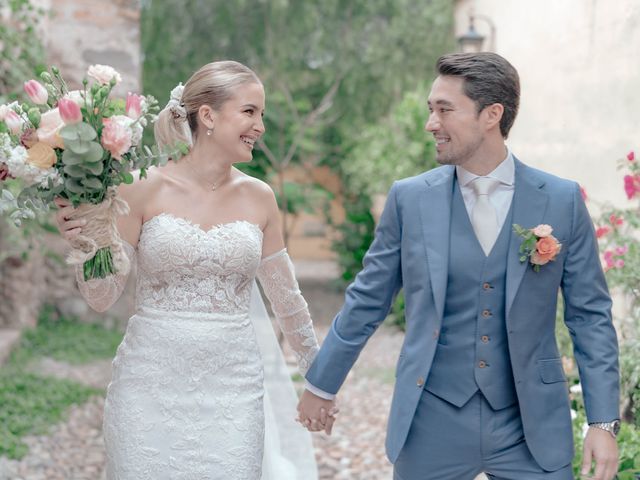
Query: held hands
(601, 447)
(316, 413)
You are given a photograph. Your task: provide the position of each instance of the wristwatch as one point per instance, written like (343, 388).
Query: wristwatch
(612, 427)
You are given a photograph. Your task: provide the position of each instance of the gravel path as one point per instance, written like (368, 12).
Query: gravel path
(73, 450)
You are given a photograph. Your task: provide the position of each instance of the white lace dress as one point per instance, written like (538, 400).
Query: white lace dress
(186, 397)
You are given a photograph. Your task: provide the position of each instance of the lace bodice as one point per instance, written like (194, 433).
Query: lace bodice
(182, 267)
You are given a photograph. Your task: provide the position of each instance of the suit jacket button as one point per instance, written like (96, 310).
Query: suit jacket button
(486, 286)
(486, 313)
(484, 338)
(420, 382)
(482, 364)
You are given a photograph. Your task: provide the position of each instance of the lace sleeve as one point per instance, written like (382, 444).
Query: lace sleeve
(102, 293)
(277, 277)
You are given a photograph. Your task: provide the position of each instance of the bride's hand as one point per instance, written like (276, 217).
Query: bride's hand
(69, 229)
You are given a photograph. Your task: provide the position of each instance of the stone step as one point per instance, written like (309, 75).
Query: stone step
(8, 338)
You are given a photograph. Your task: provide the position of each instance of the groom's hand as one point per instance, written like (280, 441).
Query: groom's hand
(316, 413)
(599, 445)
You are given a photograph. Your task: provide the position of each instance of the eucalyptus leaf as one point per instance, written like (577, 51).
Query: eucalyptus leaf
(92, 182)
(78, 131)
(95, 168)
(75, 171)
(77, 146)
(74, 185)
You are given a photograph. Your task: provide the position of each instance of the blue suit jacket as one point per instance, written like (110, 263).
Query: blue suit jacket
(411, 251)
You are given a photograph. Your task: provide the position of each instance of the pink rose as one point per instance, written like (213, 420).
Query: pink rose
(622, 250)
(103, 74)
(547, 248)
(50, 125)
(542, 230)
(631, 156)
(608, 259)
(69, 111)
(14, 122)
(116, 137)
(615, 220)
(583, 192)
(37, 93)
(602, 231)
(134, 106)
(631, 184)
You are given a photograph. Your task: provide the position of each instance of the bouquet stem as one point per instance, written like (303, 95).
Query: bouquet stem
(100, 266)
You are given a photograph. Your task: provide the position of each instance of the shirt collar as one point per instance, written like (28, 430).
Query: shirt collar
(504, 172)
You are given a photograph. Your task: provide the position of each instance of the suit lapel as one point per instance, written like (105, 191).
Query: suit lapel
(435, 211)
(529, 206)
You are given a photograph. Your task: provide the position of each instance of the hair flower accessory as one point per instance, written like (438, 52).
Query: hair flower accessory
(175, 103)
(538, 245)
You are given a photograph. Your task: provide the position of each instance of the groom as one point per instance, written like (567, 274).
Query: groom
(480, 385)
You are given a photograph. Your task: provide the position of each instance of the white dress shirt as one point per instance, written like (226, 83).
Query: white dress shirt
(500, 198)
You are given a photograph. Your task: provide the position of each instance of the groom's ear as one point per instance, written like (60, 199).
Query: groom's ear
(492, 115)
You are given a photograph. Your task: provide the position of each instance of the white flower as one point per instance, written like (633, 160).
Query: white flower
(574, 414)
(103, 73)
(76, 96)
(577, 388)
(176, 93)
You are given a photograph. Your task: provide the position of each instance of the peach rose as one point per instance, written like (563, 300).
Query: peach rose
(49, 129)
(42, 156)
(542, 230)
(547, 248)
(116, 136)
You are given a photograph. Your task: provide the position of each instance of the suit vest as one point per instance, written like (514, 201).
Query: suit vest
(472, 352)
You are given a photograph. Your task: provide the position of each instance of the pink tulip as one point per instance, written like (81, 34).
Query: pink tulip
(631, 156)
(69, 111)
(134, 106)
(13, 121)
(37, 93)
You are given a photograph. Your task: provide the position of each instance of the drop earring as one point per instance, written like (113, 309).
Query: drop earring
(209, 132)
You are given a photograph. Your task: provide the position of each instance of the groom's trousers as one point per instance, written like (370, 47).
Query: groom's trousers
(450, 443)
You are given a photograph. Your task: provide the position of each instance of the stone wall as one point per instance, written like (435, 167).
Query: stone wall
(77, 33)
(577, 61)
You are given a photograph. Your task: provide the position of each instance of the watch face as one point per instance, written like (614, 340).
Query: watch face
(616, 426)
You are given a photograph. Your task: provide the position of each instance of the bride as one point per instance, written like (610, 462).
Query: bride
(187, 398)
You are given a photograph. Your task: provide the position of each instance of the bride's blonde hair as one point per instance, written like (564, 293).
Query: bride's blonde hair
(212, 85)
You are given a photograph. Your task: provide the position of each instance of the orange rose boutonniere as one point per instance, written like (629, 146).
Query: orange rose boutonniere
(538, 245)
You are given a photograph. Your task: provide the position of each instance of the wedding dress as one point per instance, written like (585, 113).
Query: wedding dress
(187, 397)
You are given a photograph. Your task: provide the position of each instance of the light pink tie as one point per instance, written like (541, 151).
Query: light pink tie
(484, 217)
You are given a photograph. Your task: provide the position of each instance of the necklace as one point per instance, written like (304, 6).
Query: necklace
(219, 182)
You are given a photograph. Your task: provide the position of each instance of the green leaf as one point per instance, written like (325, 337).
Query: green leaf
(127, 178)
(78, 131)
(92, 182)
(95, 168)
(74, 171)
(77, 146)
(74, 186)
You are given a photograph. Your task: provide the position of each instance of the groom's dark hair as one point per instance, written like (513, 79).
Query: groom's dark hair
(488, 79)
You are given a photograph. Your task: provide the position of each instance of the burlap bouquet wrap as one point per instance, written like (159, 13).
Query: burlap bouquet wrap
(100, 232)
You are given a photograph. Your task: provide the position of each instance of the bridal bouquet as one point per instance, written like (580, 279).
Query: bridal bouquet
(78, 145)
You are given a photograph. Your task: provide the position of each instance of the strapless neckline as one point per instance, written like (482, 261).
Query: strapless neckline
(196, 226)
